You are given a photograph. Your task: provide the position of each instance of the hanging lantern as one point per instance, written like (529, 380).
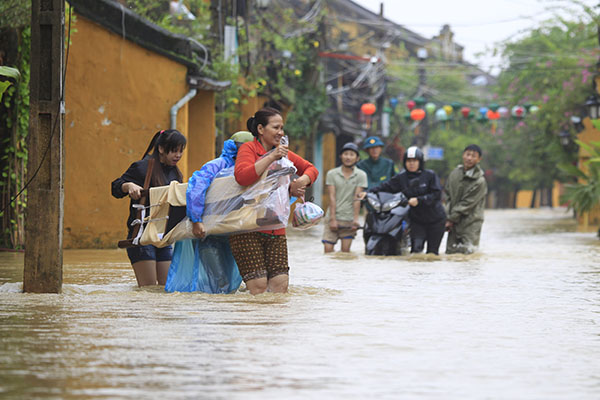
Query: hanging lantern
(368, 108)
(393, 102)
(503, 111)
(430, 108)
(410, 105)
(533, 109)
(455, 105)
(440, 115)
(417, 114)
(492, 115)
(517, 112)
(448, 109)
(483, 111)
(420, 101)
(494, 107)
(407, 117)
(465, 112)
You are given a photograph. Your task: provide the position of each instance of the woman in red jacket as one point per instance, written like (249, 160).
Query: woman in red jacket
(262, 256)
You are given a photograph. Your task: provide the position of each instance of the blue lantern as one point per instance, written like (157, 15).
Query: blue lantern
(393, 102)
(483, 111)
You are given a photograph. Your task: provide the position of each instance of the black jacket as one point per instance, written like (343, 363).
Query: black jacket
(136, 173)
(425, 186)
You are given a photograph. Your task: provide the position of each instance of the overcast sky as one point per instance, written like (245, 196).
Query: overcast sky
(477, 24)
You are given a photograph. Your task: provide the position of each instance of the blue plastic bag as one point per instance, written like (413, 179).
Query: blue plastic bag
(203, 265)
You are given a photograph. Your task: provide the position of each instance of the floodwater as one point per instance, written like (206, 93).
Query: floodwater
(518, 320)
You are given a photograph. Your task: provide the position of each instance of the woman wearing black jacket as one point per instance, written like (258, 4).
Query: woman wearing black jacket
(424, 193)
(151, 264)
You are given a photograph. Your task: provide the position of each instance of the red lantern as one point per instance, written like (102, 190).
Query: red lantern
(493, 115)
(410, 105)
(417, 114)
(465, 112)
(368, 108)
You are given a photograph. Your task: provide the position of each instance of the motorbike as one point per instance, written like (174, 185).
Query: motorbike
(387, 224)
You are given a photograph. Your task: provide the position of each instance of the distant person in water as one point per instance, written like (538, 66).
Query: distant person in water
(466, 191)
(344, 187)
(379, 169)
(424, 193)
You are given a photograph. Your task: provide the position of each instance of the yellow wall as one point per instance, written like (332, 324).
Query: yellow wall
(118, 95)
(524, 197)
(588, 221)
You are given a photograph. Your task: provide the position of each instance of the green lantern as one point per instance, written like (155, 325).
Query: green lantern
(420, 101)
(407, 117)
(430, 108)
(456, 105)
(494, 107)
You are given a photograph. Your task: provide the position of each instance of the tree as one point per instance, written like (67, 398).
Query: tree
(551, 67)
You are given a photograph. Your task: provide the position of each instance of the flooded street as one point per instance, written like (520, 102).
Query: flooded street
(518, 320)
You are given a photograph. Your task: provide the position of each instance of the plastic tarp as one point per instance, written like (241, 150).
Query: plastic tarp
(203, 265)
(229, 207)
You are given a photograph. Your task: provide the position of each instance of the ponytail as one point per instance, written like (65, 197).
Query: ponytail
(261, 117)
(170, 140)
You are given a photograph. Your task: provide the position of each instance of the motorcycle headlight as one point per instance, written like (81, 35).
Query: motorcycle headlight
(374, 203)
(390, 205)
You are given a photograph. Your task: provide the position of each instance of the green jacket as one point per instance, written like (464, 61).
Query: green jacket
(465, 199)
(378, 171)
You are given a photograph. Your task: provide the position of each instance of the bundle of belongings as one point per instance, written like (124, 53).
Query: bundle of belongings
(228, 208)
(306, 214)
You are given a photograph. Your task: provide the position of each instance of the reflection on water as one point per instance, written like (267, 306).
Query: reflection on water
(519, 319)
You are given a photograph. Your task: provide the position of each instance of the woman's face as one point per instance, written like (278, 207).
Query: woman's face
(171, 158)
(270, 134)
(412, 165)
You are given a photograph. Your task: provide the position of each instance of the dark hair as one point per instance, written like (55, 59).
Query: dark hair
(261, 117)
(474, 147)
(170, 140)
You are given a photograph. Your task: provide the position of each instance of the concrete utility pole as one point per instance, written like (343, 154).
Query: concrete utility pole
(45, 194)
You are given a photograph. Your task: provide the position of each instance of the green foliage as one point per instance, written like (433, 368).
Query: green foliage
(262, 68)
(552, 66)
(15, 13)
(585, 194)
(13, 149)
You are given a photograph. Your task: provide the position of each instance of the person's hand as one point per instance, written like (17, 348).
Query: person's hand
(279, 152)
(413, 202)
(355, 225)
(298, 187)
(361, 196)
(134, 191)
(333, 224)
(449, 225)
(198, 229)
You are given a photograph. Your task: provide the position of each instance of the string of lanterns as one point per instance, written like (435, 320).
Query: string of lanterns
(419, 108)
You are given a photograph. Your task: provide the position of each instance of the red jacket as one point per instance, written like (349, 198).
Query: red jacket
(245, 173)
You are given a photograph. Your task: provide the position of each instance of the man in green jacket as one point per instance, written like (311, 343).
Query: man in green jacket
(379, 169)
(466, 191)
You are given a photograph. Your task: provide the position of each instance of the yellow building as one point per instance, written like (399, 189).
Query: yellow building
(124, 77)
(589, 221)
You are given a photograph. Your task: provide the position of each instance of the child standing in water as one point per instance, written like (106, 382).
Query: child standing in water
(151, 264)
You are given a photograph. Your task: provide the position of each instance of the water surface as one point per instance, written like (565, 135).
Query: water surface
(518, 320)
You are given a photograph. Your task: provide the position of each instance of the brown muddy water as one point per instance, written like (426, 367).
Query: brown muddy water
(518, 320)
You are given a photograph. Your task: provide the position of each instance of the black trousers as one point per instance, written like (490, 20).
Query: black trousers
(431, 233)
